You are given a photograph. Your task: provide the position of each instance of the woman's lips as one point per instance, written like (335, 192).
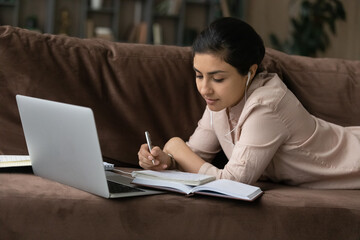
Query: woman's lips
(210, 101)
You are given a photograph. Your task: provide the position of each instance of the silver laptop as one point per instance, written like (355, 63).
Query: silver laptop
(63, 146)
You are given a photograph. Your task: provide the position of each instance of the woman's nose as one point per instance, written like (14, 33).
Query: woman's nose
(205, 88)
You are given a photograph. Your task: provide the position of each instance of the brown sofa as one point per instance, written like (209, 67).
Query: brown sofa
(132, 88)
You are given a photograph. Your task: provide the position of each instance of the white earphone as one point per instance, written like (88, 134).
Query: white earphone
(247, 83)
(248, 80)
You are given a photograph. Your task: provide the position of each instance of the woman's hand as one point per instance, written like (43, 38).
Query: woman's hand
(186, 159)
(156, 160)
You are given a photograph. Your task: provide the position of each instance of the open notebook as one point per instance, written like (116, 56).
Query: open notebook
(191, 183)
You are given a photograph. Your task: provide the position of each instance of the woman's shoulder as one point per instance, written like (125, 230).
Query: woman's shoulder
(273, 97)
(267, 89)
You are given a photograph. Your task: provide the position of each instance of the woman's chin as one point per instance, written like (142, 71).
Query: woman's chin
(215, 108)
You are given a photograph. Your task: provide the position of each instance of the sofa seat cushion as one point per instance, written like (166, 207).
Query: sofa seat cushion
(35, 208)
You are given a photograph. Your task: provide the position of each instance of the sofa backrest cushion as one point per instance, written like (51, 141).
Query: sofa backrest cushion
(130, 87)
(328, 88)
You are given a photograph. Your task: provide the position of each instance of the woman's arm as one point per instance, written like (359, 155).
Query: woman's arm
(202, 146)
(186, 160)
(262, 134)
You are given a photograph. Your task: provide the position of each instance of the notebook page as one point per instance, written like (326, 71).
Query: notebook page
(231, 188)
(176, 176)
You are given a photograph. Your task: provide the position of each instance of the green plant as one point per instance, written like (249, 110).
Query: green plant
(309, 34)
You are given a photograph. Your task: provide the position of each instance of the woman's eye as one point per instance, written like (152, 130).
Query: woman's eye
(199, 76)
(218, 79)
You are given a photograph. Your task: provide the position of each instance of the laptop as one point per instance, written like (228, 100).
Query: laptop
(63, 146)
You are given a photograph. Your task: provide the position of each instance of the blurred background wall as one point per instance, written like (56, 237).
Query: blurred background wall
(177, 22)
(273, 17)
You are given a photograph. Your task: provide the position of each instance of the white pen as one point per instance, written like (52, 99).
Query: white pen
(148, 140)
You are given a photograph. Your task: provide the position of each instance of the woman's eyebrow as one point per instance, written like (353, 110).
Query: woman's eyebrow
(212, 72)
(196, 70)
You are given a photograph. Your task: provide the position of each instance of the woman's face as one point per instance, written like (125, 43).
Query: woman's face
(219, 83)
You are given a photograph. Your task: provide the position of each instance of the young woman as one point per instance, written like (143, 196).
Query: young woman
(263, 129)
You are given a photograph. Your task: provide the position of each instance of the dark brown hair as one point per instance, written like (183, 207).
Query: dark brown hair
(235, 41)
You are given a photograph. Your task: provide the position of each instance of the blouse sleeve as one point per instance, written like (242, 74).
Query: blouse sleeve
(204, 141)
(262, 134)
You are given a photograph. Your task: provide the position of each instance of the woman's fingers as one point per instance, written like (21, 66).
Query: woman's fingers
(143, 156)
(156, 160)
(149, 160)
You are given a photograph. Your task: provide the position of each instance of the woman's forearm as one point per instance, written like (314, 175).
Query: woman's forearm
(185, 158)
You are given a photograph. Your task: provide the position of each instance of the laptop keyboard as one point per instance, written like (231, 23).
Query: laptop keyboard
(120, 188)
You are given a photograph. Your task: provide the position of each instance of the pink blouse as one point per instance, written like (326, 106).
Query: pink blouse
(272, 136)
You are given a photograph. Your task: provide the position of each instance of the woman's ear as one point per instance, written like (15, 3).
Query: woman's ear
(253, 70)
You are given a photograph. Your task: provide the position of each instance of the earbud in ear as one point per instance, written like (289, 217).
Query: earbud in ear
(248, 80)
(247, 83)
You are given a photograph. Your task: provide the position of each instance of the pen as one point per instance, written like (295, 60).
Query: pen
(148, 140)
